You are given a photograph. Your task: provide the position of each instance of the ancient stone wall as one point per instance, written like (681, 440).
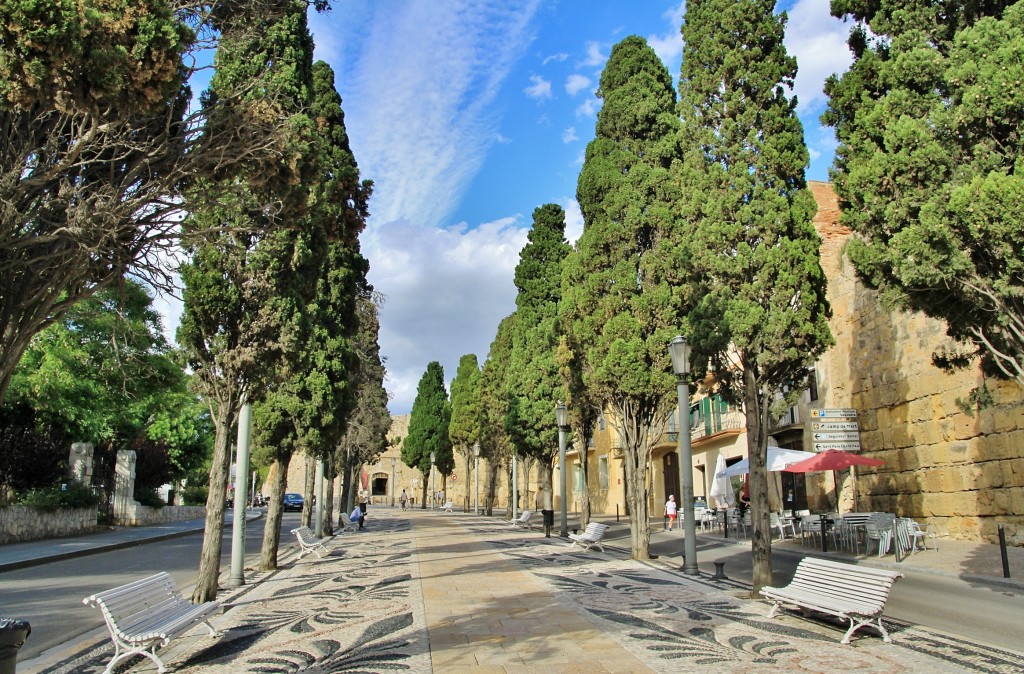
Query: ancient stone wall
(22, 523)
(962, 472)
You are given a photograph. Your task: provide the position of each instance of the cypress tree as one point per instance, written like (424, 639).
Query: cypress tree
(751, 252)
(928, 168)
(617, 308)
(534, 382)
(428, 427)
(464, 430)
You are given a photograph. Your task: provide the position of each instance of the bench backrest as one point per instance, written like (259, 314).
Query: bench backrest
(525, 515)
(595, 529)
(846, 581)
(123, 606)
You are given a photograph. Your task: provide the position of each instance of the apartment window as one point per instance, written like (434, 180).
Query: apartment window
(812, 384)
(602, 472)
(577, 477)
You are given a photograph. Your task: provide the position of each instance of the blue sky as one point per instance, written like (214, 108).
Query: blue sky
(467, 115)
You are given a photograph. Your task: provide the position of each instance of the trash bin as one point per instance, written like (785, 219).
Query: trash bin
(12, 635)
(549, 521)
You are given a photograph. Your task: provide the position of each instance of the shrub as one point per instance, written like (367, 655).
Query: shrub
(148, 496)
(29, 458)
(195, 495)
(48, 499)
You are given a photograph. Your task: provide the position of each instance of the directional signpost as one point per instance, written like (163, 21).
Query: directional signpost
(835, 428)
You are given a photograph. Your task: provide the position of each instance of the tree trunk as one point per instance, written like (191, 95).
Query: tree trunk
(329, 476)
(423, 501)
(209, 559)
(308, 481)
(493, 466)
(469, 470)
(756, 413)
(275, 510)
(581, 453)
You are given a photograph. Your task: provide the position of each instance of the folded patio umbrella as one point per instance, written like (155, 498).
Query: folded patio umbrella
(721, 487)
(832, 459)
(778, 459)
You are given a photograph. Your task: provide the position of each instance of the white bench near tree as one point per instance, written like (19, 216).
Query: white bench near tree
(591, 536)
(346, 524)
(842, 590)
(309, 543)
(523, 520)
(147, 614)
(447, 507)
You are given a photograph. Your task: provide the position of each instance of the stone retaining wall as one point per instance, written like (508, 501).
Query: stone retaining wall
(139, 515)
(22, 523)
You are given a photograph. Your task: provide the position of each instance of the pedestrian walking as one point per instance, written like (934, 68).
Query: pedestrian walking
(670, 511)
(403, 498)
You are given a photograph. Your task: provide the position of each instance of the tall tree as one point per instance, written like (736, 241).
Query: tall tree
(495, 443)
(99, 149)
(464, 429)
(367, 435)
(928, 167)
(241, 324)
(533, 378)
(308, 410)
(428, 426)
(617, 308)
(752, 252)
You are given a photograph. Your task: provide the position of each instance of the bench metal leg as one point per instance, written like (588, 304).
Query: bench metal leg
(856, 624)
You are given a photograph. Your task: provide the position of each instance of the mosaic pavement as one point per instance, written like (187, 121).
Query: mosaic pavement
(360, 609)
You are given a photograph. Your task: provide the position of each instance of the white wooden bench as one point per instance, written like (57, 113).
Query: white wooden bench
(346, 524)
(523, 520)
(591, 536)
(308, 542)
(844, 590)
(146, 615)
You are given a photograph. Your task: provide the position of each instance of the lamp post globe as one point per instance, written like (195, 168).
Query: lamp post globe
(679, 351)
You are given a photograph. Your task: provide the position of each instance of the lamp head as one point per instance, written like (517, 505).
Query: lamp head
(679, 350)
(562, 414)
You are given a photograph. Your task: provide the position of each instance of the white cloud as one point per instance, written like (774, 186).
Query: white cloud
(576, 83)
(669, 45)
(421, 118)
(573, 220)
(589, 107)
(446, 291)
(594, 56)
(569, 135)
(539, 87)
(818, 41)
(555, 57)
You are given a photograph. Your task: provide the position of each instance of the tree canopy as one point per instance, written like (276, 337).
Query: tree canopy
(100, 148)
(428, 426)
(929, 167)
(758, 315)
(617, 307)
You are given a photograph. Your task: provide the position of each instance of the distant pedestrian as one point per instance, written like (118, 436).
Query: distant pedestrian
(670, 511)
(403, 498)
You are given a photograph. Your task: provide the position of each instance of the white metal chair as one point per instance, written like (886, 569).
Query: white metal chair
(879, 528)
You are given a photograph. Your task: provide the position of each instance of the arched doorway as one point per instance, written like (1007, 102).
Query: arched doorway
(670, 470)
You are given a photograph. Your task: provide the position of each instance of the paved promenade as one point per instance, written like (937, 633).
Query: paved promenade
(418, 591)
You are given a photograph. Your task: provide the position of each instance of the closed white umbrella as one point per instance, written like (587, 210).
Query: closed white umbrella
(779, 458)
(721, 487)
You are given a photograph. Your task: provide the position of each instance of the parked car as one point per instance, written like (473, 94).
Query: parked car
(293, 502)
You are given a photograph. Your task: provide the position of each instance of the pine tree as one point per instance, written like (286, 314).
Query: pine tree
(617, 308)
(928, 168)
(428, 427)
(751, 253)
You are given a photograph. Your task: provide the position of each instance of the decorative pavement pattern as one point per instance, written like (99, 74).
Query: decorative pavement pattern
(360, 609)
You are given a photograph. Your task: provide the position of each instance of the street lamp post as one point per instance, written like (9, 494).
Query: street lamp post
(394, 461)
(433, 457)
(476, 478)
(562, 415)
(679, 350)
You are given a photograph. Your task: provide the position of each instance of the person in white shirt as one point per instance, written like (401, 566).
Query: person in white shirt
(670, 511)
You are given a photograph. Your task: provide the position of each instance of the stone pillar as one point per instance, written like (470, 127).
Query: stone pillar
(124, 488)
(80, 463)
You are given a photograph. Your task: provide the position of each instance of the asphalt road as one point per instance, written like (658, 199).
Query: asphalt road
(50, 595)
(984, 613)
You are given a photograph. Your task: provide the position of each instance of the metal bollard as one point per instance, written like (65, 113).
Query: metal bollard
(1002, 551)
(719, 572)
